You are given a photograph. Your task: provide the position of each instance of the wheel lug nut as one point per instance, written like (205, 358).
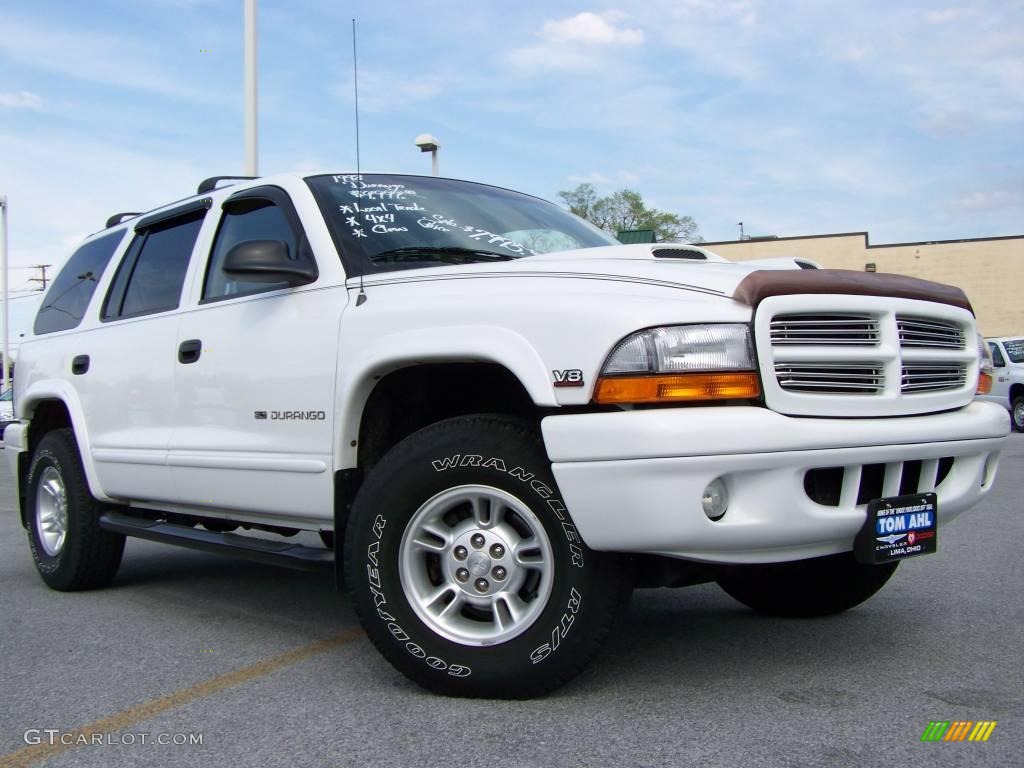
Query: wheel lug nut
(461, 553)
(497, 551)
(462, 574)
(481, 585)
(477, 540)
(499, 573)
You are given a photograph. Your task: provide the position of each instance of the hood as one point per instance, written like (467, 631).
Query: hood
(666, 265)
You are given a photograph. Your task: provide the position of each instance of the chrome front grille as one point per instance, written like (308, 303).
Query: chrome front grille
(831, 378)
(932, 377)
(929, 333)
(853, 356)
(828, 330)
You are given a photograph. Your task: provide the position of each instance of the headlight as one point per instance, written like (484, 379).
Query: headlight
(680, 363)
(984, 367)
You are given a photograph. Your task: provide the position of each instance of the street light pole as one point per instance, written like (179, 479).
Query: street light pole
(428, 143)
(3, 267)
(251, 163)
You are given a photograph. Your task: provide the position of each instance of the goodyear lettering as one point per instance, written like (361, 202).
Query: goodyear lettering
(380, 600)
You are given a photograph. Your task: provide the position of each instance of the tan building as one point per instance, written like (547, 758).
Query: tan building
(988, 269)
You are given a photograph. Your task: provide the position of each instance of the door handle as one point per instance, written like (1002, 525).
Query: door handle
(189, 351)
(80, 365)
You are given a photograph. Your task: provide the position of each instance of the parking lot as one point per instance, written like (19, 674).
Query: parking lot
(269, 668)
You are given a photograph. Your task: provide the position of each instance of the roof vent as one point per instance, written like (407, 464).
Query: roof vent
(210, 184)
(679, 253)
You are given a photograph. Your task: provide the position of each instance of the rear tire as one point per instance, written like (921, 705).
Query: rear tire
(466, 570)
(806, 588)
(70, 550)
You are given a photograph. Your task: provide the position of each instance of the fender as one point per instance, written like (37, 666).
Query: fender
(359, 369)
(55, 389)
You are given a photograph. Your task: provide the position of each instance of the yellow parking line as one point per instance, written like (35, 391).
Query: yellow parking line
(38, 752)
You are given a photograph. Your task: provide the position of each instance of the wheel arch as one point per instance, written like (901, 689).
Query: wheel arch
(1016, 390)
(53, 405)
(363, 367)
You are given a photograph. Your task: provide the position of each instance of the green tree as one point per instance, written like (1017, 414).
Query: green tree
(626, 209)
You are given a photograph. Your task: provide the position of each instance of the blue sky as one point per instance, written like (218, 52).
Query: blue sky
(903, 119)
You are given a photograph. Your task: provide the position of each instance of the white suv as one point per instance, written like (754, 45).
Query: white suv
(499, 418)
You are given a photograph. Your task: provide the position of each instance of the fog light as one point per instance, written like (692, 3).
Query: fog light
(715, 500)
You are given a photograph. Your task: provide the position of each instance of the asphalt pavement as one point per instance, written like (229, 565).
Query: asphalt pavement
(269, 668)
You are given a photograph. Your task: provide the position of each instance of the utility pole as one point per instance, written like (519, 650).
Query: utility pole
(3, 268)
(251, 149)
(43, 279)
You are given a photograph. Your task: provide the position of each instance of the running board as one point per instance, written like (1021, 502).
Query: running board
(248, 547)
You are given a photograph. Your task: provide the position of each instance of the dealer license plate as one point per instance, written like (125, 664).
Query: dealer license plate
(897, 528)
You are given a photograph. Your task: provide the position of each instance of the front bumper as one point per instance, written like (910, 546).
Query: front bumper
(633, 480)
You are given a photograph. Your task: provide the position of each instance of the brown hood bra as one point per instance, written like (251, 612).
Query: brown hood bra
(759, 285)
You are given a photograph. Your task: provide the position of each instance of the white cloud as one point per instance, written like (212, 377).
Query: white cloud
(854, 52)
(594, 177)
(20, 100)
(990, 200)
(380, 90)
(591, 29)
(944, 15)
(576, 44)
(721, 35)
(96, 57)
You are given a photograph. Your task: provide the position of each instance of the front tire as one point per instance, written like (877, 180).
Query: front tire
(1017, 413)
(70, 550)
(820, 586)
(466, 569)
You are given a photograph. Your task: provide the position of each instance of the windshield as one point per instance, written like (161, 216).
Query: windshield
(407, 222)
(1015, 350)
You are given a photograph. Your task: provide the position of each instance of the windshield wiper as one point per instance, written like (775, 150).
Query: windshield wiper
(449, 254)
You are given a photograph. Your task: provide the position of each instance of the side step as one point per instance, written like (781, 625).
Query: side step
(248, 547)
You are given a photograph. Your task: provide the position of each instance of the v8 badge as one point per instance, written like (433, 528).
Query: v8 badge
(570, 377)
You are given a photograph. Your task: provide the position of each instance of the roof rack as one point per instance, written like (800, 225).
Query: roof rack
(210, 184)
(117, 218)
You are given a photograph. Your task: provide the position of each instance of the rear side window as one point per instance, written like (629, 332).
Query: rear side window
(153, 270)
(69, 296)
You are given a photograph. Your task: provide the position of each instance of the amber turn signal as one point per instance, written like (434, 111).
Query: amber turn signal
(677, 388)
(984, 383)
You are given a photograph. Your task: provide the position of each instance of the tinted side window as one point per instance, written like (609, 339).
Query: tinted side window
(152, 273)
(69, 296)
(267, 222)
(997, 356)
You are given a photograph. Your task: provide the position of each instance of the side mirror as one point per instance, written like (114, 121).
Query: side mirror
(267, 261)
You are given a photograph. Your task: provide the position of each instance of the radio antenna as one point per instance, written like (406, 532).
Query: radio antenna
(361, 298)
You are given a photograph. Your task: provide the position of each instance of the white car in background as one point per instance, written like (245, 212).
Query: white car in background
(1008, 377)
(6, 406)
